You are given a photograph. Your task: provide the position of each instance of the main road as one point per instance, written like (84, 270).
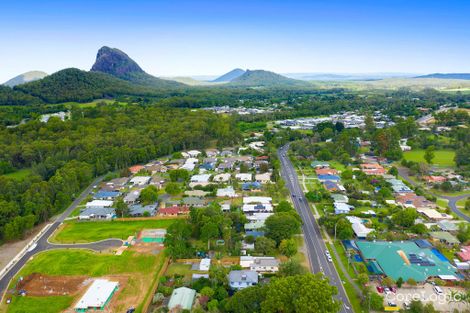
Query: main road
(42, 243)
(315, 245)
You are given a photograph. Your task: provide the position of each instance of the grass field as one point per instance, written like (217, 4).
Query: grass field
(139, 268)
(45, 304)
(20, 174)
(79, 232)
(443, 158)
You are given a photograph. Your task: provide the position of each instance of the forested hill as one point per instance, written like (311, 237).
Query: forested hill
(115, 62)
(76, 85)
(266, 79)
(65, 156)
(465, 76)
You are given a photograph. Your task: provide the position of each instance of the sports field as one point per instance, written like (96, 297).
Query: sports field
(443, 158)
(80, 232)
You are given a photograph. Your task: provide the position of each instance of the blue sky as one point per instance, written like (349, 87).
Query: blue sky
(169, 38)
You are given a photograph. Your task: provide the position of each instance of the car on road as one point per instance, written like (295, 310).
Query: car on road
(329, 258)
(392, 304)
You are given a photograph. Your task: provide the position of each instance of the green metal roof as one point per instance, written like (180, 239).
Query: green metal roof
(182, 297)
(445, 236)
(390, 256)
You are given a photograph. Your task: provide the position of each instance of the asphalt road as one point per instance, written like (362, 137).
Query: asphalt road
(403, 172)
(43, 244)
(315, 245)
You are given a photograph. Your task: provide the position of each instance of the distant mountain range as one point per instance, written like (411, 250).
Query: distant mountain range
(228, 77)
(265, 79)
(465, 76)
(25, 78)
(116, 63)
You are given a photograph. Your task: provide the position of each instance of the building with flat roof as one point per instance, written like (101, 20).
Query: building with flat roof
(182, 298)
(97, 296)
(99, 204)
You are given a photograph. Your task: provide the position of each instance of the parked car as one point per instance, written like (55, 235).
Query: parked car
(387, 291)
(391, 303)
(380, 289)
(438, 290)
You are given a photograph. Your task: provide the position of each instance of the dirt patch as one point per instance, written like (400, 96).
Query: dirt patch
(43, 285)
(147, 248)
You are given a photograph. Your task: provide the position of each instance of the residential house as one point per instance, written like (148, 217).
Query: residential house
(444, 237)
(190, 164)
(132, 196)
(140, 180)
(200, 178)
(263, 178)
(244, 176)
(194, 202)
(360, 230)
(331, 186)
(372, 169)
(326, 171)
(226, 192)
(255, 225)
(211, 153)
(182, 299)
(259, 216)
(464, 254)
(333, 178)
(265, 265)
(433, 214)
(193, 153)
(320, 164)
(222, 178)
(106, 195)
(242, 279)
(174, 210)
(337, 197)
(137, 210)
(97, 213)
(135, 169)
(434, 179)
(446, 225)
(196, 193)
(342, 208)
(251, 186)
(227, 165)
(99, 204)
(116, 184)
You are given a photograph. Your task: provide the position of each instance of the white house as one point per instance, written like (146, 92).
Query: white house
(342, 208)
(248, 200)
(190, 164)
(244, 176)
(263, 178)
(99, 204)
(259, 216)
(242, 279)
(201, 178)
(222, 178)
(226, 192)
(193, 153)
(140, 180)
(360, 230)
(97, 295)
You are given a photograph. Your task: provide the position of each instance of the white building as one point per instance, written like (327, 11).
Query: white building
(342, 208)
(259, 216)
(190, 164)
(226, 192)
(222, 178)
(97, 295)
(193, 153)
(244, 176)
(140, 180)
(99, 204)
(205, 264)
(248, 200)
(263, 178)
(201, 178)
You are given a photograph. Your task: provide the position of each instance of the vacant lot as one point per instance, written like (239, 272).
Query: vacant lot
(134, 271)
(444, 158)
(80, 232)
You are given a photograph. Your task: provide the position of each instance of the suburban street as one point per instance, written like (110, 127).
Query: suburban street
(315, 245)
(403, 172)
(43, 244)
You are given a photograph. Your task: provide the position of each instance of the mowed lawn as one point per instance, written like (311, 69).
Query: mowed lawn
(139, 267)
(80, 232)
(19, 174)
(39, 304)
(444, 158)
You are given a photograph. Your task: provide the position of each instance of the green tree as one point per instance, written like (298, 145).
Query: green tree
(291, 268)
(265, 245)
(399, 282)
(362, 279)
(429, 154)
(300, 293)
(405, 217)
(284, 206)
(149, 195)
(207, 291)
(247, 300)
(177, 240)
(121, 208)
(209, 231)
(172, 189)
(281, 226)
(288, 247)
